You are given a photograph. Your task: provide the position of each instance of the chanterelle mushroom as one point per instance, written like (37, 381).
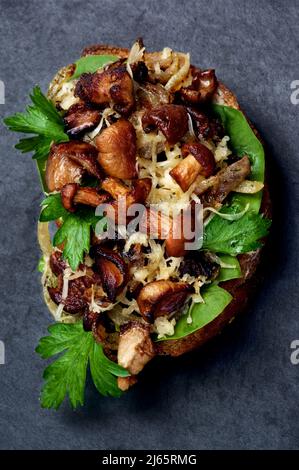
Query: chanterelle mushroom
(170, 119)
(203, 86)
(159, 298)
(224, 182)
(199, 160)
(81, 117)
(117, 150)
(112, 269)
(114, 84)
(61, 170)
(67, 163)
(135, 347)
(72, 194)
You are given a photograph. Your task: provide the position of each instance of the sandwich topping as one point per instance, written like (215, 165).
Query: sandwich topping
(122, 132)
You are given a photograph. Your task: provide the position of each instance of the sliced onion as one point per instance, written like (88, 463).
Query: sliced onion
(230, 217)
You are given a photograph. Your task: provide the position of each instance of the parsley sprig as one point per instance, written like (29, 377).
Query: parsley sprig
(74, 231)
(43, 121)
(238, 236)
(67, 374)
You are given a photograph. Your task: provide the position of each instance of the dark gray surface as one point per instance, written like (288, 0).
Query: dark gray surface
(242, 390)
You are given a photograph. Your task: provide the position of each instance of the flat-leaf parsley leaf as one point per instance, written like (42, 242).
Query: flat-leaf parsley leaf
(67, 374)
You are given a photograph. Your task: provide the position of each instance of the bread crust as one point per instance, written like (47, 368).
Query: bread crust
(241, 289)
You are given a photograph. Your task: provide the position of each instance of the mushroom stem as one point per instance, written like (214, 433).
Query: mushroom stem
(72, 194)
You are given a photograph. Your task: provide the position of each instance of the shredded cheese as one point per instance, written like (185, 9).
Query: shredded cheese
(90, 136)
(135, 55)
(171, 69)
(222, 151)
(164, 327)
(65, 96)
(175, 82)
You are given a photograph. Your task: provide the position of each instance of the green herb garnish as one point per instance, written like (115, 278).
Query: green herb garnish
(67, 375)
(43, 121)
(92, 63)
(238, 236)
(215, 299)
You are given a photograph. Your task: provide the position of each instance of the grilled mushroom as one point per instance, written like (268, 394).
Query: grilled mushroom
(135, 347)
(112, 269)
(204, 126)
(150, 95)
(67, 163)
(170, 119)
(125, 197)
(161, 298)
(57, 264)
(199, 263)
(72, 194)
(198, 160)
(204, 85)
(224, 182)
(117, 150)
(81, 117)
(114, 84)
(61, 170)
(175, 243)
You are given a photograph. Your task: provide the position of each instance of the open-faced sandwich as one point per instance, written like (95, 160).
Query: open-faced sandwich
(122, 131)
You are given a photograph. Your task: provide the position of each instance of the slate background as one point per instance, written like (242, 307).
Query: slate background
(242, 390)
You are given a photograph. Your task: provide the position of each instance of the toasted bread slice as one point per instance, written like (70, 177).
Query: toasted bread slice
(241, 289)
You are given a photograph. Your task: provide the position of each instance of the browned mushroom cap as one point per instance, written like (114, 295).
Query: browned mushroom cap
(67, 163)
(72, 194)
(170, 119)
(199, 161)
(175, 244)
(135, 347)
(117, 150)
(57, 263)
(140, 190)
(84, 154)
(61, 170)
(80, 118)
(137, 194)
(67, 196)
(112, 269)
(186, 172)
(140, 71)
(179, 234)
(204, 85)
(151, 95)
(75, 302)
(103, 49)
(202, 155)
(114, 84)
(161, 298)
(200, 121)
